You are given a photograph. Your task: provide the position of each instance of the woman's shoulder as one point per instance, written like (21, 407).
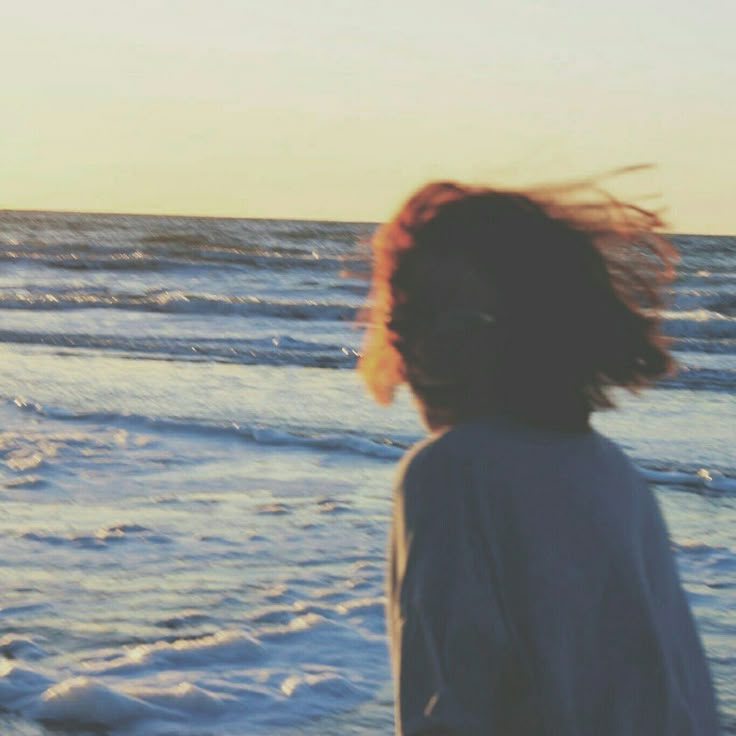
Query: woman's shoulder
(446, 458)
(505, 448)
(496, 435)
(437, 451)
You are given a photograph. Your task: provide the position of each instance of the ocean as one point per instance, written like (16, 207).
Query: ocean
(195, 487)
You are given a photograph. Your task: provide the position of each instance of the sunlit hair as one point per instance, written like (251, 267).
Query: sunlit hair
(532, 303)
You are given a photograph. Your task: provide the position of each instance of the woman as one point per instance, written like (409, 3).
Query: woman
(531, 586)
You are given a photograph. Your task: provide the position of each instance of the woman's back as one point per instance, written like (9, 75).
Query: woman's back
(532, 591)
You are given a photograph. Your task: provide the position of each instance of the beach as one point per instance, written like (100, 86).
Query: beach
(196, 488)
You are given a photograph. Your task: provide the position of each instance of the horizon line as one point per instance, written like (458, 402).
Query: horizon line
(32, 210)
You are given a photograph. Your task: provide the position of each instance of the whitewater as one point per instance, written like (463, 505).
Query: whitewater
(195, 487)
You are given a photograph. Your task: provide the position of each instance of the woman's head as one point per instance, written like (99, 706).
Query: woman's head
(531, 304)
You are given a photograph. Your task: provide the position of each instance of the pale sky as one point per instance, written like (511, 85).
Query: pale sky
(336, 109)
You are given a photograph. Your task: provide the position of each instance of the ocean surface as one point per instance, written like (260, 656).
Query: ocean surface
(194, 487)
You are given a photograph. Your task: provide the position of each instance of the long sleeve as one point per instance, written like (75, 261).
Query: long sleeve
(449, 644)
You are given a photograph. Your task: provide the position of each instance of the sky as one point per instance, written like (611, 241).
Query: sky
(337, 109)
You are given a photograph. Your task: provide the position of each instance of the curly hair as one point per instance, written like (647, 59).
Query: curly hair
(531, 303)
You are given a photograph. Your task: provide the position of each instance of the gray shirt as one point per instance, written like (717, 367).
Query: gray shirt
(532, 590)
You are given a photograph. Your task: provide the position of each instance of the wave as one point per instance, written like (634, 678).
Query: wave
(712, 300)
(702, 481)
(706, 253)
(712, 346)
(111, 693)
(275, 351)
(175, 302)
(702, 323)
(283, 351)
(361, 444)
(694, 323)
(701, 379)
(102, 539)
(104, 242)
(81, 257)
(699, 480)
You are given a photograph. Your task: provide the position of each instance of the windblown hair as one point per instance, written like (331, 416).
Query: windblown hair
(530, 303)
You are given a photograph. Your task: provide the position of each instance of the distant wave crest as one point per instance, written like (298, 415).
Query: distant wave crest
(699, 480)
(176, 302)
(372, 446)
